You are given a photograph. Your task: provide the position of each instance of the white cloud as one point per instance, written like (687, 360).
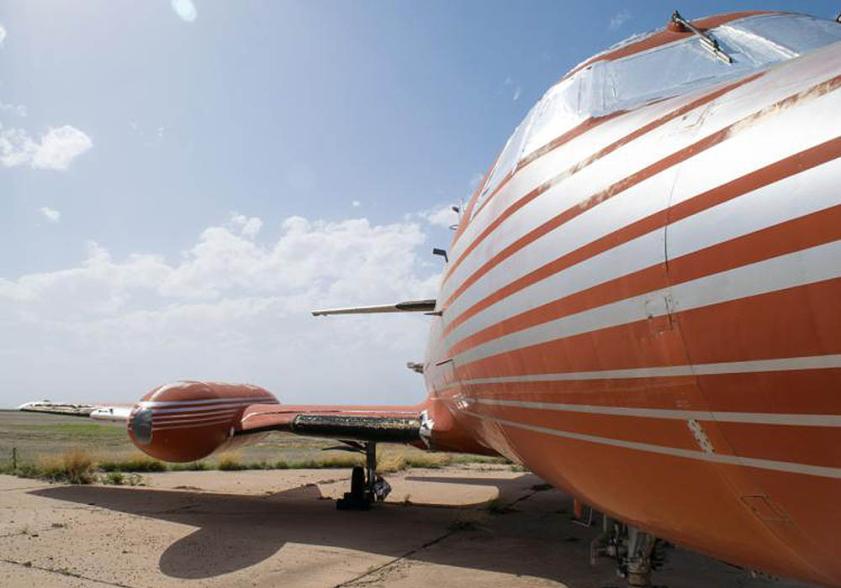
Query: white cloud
(55, 150)
(356, 204)
(185, 9)
(59, 147)
(443, 216)
(2, 33)
(517, 91)
(247, 226)
(229, 308)
(50, 214)
(17, 109)
(618, 19)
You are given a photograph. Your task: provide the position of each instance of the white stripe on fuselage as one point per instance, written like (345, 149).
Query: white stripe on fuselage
(786, 271)
(792, 197)
(185, 403)
(191, 425)
(715, 166)
(706, 171)
(765, 418)
(814, 362)
(561, 158)
(766, 464)
(740, 104)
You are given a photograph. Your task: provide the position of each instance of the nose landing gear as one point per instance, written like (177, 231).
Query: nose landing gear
(366, 487)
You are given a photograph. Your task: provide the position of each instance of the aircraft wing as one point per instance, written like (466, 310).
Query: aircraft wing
(395, 424)
(358, 423)
(99, 412)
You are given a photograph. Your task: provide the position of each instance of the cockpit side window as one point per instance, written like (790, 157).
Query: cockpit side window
(797, 33)
(505, 163)
(560, 108)
(682, 66)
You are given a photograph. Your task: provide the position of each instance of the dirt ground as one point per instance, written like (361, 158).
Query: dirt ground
(272, 528)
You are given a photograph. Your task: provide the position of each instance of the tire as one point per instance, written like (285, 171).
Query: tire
(357, 483)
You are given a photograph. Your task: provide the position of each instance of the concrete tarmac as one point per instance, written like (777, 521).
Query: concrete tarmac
(464, 526)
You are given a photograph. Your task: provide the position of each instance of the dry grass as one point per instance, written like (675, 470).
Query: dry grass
(74, 466)
(121, 479)
(230, 462)
(338, 461)
(391, 459)
(79, 466)
(135, 463)
(397, 460)
(193, 466)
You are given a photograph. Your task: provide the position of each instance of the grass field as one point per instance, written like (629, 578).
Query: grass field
(44, 443)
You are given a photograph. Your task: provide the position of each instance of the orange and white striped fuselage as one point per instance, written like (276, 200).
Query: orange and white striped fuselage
(641, 303)
(646, 312)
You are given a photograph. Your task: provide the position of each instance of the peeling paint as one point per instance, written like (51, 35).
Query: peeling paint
(700, 436)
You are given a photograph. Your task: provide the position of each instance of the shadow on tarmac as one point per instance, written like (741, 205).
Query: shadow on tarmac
(234, 532)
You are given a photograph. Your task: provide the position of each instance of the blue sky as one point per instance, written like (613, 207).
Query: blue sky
(173, 174)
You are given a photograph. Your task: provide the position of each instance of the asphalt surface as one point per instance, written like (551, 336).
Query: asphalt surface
(449, 527)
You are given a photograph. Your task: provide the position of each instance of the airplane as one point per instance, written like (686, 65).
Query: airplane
(640, 305)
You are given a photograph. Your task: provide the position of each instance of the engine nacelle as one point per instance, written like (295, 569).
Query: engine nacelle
(187, 421)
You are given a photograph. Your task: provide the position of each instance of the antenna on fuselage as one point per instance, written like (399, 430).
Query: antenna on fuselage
(457, 210)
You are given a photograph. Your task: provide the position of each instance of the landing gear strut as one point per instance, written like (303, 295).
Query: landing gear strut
(636, 553)
(639, 559)
(366, 487)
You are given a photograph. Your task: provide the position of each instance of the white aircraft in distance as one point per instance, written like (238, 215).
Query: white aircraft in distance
(641, 305)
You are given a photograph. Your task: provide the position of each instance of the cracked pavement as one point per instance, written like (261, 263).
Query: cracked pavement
(483, 525)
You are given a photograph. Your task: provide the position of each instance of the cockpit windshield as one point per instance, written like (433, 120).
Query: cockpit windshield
(606, 86)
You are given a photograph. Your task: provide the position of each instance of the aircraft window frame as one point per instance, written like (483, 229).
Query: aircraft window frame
(602, 87)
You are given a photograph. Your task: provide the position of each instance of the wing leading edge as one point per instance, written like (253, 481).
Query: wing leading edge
(387, 424)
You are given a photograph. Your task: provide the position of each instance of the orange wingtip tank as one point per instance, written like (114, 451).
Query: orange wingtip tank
(187, 421)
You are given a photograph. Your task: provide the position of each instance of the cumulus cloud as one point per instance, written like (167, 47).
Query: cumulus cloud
(185, 9)
(50, 214)
(443, 216)
(2, 33)
(247, 226)
(228, 308)
(618, 19)
(55, 149)
(356, 204)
